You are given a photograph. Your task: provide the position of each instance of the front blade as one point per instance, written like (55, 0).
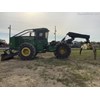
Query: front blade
(6, 57)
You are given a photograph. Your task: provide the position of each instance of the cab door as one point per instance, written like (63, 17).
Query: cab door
(41, 42)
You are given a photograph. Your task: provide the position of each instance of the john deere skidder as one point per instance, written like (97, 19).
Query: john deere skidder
(28, 43)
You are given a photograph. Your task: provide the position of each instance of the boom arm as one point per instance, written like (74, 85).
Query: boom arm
(77, 35)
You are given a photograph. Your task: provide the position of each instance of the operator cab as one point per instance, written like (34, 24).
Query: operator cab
(41, 33)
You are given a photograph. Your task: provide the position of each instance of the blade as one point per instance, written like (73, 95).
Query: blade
(6, 57)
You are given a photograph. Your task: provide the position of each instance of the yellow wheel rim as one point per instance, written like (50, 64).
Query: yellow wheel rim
(62, 51)
(25, 51)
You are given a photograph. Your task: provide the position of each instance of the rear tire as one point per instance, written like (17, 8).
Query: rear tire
(62, 51)
(27, 51)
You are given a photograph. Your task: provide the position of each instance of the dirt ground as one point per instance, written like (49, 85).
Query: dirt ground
(47, 71)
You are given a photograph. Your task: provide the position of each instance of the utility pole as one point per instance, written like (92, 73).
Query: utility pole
(9, 32)
(55, 33)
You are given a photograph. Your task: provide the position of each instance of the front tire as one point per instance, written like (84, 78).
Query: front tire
(27, 51)
(62, 51)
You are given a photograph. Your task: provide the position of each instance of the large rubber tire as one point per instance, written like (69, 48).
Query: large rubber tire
(30, 52)
(62, 51)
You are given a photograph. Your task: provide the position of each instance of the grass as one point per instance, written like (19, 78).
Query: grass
(1, 51)
(80, 68)
(77, 70)
(87, 55)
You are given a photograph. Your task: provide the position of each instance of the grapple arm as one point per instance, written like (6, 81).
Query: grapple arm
(77, 35)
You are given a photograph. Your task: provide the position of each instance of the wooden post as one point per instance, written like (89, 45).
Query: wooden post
(95, 53)
(80, 51)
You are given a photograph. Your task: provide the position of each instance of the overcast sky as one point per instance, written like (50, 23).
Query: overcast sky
(84, 23)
